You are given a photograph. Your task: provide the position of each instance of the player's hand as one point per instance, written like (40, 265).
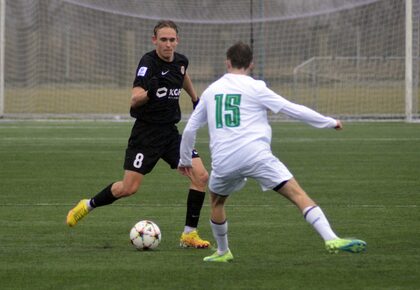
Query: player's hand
(185, 170)
(153, 87)
(339, 125)
(195, 103)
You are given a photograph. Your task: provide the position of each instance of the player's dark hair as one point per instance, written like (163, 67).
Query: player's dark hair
(240, 55)
(165, 23)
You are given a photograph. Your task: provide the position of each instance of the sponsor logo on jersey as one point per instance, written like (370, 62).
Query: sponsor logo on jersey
(164, 72)
(161, 92)
(142, 71)
(183, 70)
(171, 93)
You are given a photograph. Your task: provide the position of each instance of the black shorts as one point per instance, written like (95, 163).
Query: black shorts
(148, 143)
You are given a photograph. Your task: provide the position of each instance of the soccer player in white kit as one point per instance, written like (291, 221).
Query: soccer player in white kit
(235, 109)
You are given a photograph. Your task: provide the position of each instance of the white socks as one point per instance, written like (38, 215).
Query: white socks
(89, 207)
(188, 229)
(315, 216)
(220, 234)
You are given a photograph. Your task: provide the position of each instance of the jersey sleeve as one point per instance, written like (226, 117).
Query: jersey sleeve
(308, 115)
(271, 100)
(278, 104)
(197, 120)
(183, 60)
(144, 73)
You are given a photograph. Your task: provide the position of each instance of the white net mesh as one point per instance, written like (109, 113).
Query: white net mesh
(77, 57)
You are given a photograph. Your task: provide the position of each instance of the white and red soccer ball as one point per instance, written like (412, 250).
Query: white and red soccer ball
(145, 235)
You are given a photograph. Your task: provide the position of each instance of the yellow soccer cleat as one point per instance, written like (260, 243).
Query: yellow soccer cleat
(193, 240)
(77, 213)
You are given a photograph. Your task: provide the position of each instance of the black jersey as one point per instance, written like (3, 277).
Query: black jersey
(164, 108)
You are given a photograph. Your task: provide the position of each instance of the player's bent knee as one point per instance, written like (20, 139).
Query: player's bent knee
(127, 191)
(124, 189)
(204, 178)
(200, 180)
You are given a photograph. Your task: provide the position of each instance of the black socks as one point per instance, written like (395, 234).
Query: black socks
(104, 197)
(194, 204)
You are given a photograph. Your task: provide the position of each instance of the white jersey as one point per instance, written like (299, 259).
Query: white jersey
(235, 109)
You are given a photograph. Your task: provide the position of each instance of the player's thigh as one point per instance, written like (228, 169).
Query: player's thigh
(141, 160)
(171, 153)
(268, 172)
(225, 185)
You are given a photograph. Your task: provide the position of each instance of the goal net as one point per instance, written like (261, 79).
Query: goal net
(344, 58)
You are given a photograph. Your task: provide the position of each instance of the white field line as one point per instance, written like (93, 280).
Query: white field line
(60, 127)
(47, 140)
(274, 140)
(183, 205)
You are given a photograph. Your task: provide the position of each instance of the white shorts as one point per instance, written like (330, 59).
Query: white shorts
(269, 172)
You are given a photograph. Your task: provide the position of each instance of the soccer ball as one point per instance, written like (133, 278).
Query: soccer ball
(145, 235)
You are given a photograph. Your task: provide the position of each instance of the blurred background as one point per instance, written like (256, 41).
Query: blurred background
(77, 58)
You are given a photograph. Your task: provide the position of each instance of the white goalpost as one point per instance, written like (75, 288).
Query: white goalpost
(352, 59)
(409, 60)
(2, 47)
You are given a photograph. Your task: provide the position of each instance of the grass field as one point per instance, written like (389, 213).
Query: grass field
(366, 178)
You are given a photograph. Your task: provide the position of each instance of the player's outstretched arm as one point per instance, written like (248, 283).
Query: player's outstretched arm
(307, 115)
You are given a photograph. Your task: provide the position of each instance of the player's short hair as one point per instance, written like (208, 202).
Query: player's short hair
(163, 24)
(240, 55)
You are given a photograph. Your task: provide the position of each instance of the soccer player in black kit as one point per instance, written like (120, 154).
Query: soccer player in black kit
(160, 77)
